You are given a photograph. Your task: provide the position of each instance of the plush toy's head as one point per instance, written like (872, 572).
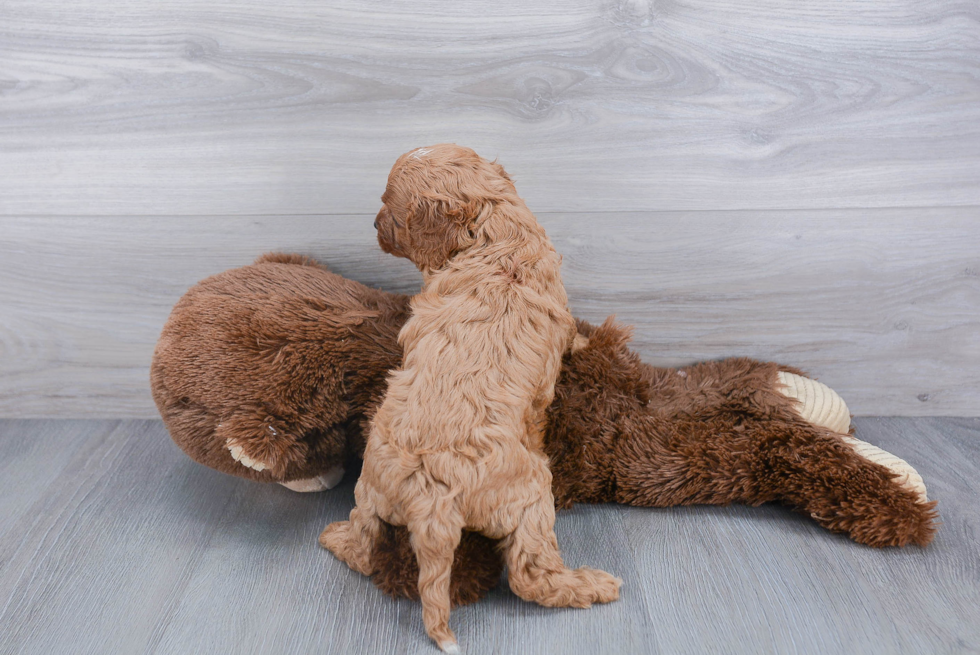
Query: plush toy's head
(435, 198)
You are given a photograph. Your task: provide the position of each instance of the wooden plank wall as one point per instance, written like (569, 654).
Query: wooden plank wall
(736, 178)
(882, 305)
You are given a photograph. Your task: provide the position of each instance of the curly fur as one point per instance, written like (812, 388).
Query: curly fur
(457, 440)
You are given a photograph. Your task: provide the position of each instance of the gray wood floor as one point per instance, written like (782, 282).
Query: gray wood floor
(112, 541)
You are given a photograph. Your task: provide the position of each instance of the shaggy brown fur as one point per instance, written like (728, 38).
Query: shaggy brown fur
(283, 344)
(457, 441)
(618, 430)
(477, 565)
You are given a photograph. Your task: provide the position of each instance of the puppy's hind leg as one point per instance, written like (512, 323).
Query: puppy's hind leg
(434, 542)
(352, 541)
(536, 571)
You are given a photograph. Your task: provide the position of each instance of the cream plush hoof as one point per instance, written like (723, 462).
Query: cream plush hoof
(328, 480)
(820, 405)
(908, 477)
(816, 402)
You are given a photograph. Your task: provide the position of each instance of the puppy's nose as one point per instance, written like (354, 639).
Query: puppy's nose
(375, 224)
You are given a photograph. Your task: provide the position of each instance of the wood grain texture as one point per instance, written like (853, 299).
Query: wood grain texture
(134, 548)
(300, 107)
(884, 305)
(765, 580)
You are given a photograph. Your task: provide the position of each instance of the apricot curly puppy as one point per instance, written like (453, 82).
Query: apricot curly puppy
(457, 442)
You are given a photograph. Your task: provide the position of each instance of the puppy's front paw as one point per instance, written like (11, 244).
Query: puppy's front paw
(334, 537)
(337, 539)
(239, 455)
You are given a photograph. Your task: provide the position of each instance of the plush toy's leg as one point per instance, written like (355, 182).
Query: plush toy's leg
(819, 474)
(815, 401)
(905, 475)
(719, 434)
(328, 480)
(844, 491)
(820, 405)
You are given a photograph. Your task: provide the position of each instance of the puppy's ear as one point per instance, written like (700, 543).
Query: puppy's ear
(501, 172)
(438, 228)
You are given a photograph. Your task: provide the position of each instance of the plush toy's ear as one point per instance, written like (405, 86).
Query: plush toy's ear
(439, 226)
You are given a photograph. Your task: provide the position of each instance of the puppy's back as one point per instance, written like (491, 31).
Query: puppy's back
(482, 353)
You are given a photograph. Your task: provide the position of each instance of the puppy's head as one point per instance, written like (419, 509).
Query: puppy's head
(434, 200)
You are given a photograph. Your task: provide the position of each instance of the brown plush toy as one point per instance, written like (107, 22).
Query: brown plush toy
(271, 372)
